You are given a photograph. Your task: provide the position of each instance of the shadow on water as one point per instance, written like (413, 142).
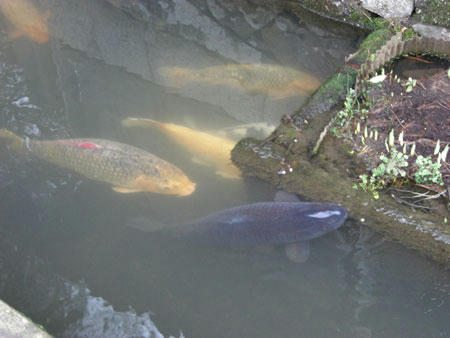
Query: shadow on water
(69, 261)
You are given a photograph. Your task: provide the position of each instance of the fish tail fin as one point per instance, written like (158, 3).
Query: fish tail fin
(140, 122)
(177, 77)
(308, 84)
(15, 142)
(231, 172)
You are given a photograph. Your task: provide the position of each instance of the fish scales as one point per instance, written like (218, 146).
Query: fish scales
(207, 149)
(108, 161)
(275, 81)
(263, 77)
(265, 223)
(127, 168)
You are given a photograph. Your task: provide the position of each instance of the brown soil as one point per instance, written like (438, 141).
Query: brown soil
(422, 114)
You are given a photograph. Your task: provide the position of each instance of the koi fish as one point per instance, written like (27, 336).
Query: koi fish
(211, 150)
(127, 168)
(286, 221)
(275, 81)
(26, 19)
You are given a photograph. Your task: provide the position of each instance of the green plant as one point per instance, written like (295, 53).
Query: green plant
(370, 184)
(409, 84)
(427, 171)
(408, 34)
(352, 107)
(389, 169)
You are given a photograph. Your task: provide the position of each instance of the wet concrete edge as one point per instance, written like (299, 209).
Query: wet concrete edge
(320, 181)
(14, 324)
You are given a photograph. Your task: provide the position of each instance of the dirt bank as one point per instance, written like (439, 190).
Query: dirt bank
(286, 160)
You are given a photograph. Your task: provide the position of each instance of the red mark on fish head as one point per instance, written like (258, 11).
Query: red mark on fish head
(79, 144)
(87, 145)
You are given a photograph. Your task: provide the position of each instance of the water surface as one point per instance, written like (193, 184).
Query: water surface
(69, 260)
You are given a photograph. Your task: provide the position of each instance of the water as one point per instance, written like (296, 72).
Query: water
(69, 260)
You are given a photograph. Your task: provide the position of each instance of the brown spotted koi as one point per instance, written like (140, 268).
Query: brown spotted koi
(127, 168)
(277, 82)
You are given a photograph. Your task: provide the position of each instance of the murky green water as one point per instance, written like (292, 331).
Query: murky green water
(69, 260)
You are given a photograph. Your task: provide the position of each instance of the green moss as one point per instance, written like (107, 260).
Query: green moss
(320, 181)
(286, 133)
(435, 13)
(340, 82)
(356, 16)
(333, 92)
(372, 43)
(367, 22)
(409, 34)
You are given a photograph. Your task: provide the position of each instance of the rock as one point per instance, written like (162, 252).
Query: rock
(431, 31)
(421, 3)
(14, 324)
(142, 36)
(389, 8)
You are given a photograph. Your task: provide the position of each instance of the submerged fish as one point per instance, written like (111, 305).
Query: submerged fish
(290, 223)
(127, 168)
(26, 19)
(275, 81)
(213, 151)
(259, 130)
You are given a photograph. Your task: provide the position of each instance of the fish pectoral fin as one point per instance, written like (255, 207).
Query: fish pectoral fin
(200, 161)
(125, 190)
(297, 252)
(227, 175)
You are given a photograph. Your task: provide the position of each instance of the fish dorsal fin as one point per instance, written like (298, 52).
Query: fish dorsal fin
(284, 196)
(199, 161)
(229, 174)
(297, 252)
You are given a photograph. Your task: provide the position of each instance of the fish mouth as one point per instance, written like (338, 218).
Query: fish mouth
(187, 191)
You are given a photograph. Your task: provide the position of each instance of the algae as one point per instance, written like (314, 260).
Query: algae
(320, 14)
(424, 232)
(436, 12)
(371, 44)
(286, 160)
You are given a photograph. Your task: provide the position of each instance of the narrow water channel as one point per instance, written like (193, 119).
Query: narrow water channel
(76, 256)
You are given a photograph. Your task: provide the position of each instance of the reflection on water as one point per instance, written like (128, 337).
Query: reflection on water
(65, 308)
(69, 261)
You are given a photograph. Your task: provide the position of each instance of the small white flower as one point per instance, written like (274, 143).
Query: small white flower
(377, 79)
